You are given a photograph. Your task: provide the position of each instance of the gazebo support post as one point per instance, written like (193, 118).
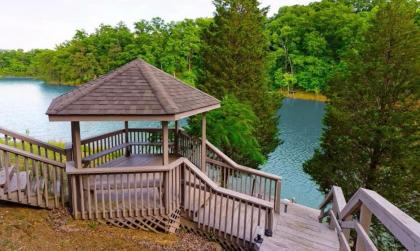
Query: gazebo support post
(176, 138)
(165, 161)
(203, 143)
(127, 149)
(165, 143)
(75, 139)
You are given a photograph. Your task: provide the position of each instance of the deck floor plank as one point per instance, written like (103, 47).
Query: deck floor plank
(299, 229)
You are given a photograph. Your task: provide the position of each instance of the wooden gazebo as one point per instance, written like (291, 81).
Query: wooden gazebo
(135, 91)
(151, 178)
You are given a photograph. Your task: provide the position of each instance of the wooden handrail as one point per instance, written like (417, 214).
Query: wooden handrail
(112, 133)
(101, 136)
(31, 155)
(71, 170)
(401, 225)
(39, 181)
(235, 165)
(31, 140)
(231, 193)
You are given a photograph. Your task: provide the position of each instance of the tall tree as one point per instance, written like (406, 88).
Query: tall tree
(371, 136)
(235, 62)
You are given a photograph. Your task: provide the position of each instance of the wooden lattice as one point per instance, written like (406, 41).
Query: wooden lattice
(165, 223)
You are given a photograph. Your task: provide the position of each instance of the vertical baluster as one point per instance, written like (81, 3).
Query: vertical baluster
(252, 223)
(28, 182)
(239, 221)
(226, 215)
(220, 213)
(200, 224)
(74, 196)
(136, 208)
(123, 195)
(82, 197)
(88, 189)
(55, 186)
(130, 213)
(154, 196)
(194, 198)
(101, 179)
(148, 193)
(142, 192)
(109, 197)
(117, 206)
(95, 194)
(245, 218)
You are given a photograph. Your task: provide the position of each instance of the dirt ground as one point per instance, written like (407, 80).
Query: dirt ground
(24, 228)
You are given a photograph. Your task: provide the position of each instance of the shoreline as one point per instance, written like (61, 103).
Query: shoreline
(305, 96)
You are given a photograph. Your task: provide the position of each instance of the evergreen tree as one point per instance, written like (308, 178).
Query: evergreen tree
(371, 135)
(235, 62)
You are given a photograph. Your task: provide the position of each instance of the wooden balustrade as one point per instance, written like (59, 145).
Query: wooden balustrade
(31, 179)
(103, 148)
(104, 193)
(190, 148)
(222, 211)
(367, 203)
(228, 174)
(31, 145)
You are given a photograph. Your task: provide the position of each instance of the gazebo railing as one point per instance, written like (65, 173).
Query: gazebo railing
(114, 192)
(126, 192)
(103, 148)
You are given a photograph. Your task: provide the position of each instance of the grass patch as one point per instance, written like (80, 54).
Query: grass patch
(36, 229)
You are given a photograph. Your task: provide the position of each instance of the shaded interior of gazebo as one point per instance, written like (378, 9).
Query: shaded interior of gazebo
(136, 91)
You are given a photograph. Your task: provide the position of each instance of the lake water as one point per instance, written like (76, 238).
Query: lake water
(23, 103)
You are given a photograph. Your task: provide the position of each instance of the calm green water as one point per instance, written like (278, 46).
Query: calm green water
(23, 103)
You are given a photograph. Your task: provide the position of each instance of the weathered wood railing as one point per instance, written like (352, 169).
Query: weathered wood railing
(31, 179)
(190, 148)
(222, 211)
(105, 193)
(103, 148)
(228, 174)
(32, 145)
(366, 203)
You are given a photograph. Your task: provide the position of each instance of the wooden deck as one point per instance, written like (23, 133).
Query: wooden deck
(299, 229)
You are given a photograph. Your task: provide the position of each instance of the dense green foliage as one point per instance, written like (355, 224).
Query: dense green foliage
(235, 60)
(232, 127)
(306, 44)
(371, 136)
(173, 47)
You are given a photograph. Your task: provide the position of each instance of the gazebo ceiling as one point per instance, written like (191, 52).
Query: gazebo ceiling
(134, 91)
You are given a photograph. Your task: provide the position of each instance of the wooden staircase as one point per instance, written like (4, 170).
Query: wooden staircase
(299, 229)
(226, 202)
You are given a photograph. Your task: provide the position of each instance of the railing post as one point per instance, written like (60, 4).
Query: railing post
(270, 222)
(364, 220)
(203, 156)
(166, 191)
(127, 149)
(182, 185)
(277, 197)
(176, 138)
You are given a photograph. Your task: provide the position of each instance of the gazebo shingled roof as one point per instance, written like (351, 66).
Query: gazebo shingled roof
(136, 90)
